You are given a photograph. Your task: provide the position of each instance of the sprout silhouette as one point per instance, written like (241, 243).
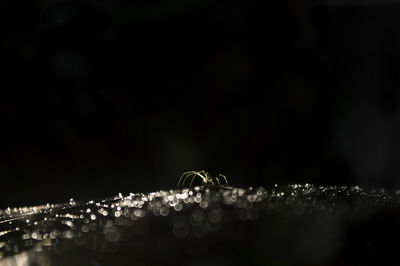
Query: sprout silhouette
(205, 177)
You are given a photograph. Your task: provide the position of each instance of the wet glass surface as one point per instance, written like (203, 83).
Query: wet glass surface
(298, 224)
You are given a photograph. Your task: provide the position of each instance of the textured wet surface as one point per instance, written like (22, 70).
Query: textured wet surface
(291, 225)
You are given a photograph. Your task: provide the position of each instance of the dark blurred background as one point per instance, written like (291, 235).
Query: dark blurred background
(101, 97)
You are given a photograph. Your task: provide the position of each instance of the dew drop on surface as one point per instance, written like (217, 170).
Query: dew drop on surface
(178, 207)
(198, 215)
(164, 211)
(203, 204)
(85, 228)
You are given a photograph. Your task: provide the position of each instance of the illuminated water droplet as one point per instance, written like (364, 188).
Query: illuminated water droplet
(203, 204)
(164, 211)
(198, 215)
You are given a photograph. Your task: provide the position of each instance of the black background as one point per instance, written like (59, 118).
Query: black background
(101, 97)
